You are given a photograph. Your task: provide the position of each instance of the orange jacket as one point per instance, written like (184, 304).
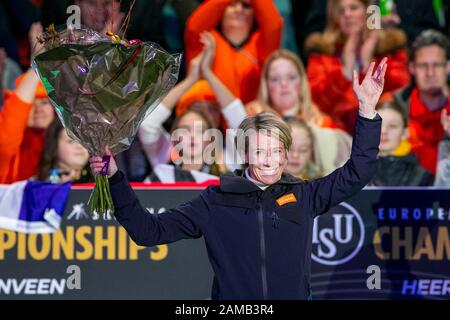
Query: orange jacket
(238, 68)
(333, 92)
(20, 147)
(425, 131)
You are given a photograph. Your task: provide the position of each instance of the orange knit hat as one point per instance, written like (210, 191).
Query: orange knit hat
(200, 91)
(40, 89)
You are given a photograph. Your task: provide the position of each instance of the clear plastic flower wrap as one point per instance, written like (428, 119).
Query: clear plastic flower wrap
(102, 88)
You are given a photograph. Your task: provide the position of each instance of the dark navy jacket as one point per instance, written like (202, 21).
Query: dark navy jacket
(259, 248)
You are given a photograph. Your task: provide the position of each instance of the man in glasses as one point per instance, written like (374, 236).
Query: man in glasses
(428, 96)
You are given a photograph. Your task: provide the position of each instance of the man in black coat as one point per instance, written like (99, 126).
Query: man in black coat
(257, 224)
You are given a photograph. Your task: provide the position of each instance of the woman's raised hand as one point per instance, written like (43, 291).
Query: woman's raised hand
(371, 88)
(209, 49)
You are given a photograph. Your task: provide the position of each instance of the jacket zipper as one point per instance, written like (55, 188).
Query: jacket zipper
(262, 244)
(275, 220)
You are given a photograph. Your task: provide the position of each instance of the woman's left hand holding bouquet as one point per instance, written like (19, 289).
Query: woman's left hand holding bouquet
(97, 164)
(103, 168)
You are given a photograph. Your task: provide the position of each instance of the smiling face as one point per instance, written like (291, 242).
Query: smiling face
(283, 81)
(41, 114)
(300, 153)
(351, 17)
(71, 154)
(194, 126)
(392, 131)
(266, 157)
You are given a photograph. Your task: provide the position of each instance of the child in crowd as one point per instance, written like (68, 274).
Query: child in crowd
(396, 169)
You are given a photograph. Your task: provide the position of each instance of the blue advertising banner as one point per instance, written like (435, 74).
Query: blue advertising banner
(381, 244)
(384, 244)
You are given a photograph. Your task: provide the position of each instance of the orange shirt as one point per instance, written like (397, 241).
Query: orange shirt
(238, 68)
(20, 147)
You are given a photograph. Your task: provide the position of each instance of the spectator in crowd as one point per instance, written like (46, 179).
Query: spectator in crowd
(284, 89)
(412, 16)
(63, 156)
(101, 15)
(25, 116)
(345, 45)
(443, 166)
(425, 99)
(246, 32)
(187, 157)
(203, 114)
(395, 169)
(302, 153)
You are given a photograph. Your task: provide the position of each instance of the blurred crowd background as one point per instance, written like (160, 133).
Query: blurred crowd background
(241, 57)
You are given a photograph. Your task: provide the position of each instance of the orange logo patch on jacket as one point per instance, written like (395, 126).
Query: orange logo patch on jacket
(286, 199)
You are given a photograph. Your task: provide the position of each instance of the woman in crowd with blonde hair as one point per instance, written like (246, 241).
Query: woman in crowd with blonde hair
(348, 44)
(284, 89)
(303, 159)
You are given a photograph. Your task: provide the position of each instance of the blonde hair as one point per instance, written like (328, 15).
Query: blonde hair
(309, 111)
(314, 168)
(264, 121)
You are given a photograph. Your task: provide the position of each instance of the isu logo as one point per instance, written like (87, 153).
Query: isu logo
(337, 236)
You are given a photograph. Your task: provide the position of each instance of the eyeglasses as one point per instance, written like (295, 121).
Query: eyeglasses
(434, 66)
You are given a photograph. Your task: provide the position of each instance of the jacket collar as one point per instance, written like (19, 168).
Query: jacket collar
(236, 182)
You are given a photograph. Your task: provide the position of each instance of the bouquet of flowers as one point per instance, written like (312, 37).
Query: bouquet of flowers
(102, 88)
